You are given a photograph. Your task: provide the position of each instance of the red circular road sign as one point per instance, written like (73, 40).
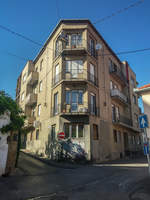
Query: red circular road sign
(61, 135)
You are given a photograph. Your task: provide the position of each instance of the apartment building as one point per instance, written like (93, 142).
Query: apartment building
(78, 85)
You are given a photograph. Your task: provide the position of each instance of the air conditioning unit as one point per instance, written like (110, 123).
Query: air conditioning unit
(36, 124)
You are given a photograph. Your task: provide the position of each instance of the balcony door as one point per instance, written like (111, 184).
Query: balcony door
(74, 68)
(74, 98)
(56, 73)
(93, 103)
(92, 73)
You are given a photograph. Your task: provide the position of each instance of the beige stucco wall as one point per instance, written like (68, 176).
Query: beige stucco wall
(146, 104)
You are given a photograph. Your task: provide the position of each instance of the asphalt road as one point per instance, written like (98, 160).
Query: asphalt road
(37, 180)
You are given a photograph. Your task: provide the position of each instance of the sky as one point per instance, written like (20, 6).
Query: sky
(129, 30)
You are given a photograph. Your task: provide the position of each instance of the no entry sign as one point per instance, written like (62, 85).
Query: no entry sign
(61, 135)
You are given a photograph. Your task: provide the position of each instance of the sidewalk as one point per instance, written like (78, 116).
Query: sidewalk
(59, 164)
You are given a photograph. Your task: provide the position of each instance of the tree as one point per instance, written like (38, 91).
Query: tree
(16, 114)
(17, 117)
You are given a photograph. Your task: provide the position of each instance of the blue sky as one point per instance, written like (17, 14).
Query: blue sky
(36, 19)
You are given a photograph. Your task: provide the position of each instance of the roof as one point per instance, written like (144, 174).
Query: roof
(142, 89)
(71, 21)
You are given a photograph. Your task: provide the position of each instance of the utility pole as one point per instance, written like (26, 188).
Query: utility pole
(143, 122)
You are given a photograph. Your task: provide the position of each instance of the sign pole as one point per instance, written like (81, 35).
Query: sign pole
(147, 154)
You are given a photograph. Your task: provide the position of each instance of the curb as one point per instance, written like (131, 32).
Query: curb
(49, 162)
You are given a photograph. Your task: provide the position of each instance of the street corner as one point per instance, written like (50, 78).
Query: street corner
(142, 192)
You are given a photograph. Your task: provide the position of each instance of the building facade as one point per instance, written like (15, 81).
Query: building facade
(78, 85)
(144, 92)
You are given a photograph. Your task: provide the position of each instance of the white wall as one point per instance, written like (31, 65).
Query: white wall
(146, 104)
(4, 120)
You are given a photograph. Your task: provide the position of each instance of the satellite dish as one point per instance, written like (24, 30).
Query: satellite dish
(98, 46)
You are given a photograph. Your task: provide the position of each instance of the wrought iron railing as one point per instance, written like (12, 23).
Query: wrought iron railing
(75, 108)
(122, 119)
(75, 74)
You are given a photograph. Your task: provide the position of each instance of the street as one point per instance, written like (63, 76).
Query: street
(37, 180)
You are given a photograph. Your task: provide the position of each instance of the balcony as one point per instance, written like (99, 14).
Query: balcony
(118, 96)
(122, 120)
(31, 99)
(76, 109)
(31, 120)
(33, 78)
(118, 75)
(80, 76)
(76, 47)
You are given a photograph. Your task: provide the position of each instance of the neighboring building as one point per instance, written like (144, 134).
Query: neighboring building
(144, 92)
(78, 85)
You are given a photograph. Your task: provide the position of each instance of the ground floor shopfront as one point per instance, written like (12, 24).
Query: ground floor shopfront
(101, 140)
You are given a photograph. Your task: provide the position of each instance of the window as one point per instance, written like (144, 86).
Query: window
(67, 131)
(37, 134)
(53, 132)
(74, 130)
(119, 136)
(58, 47)
(56, 73)
(93, 103)
(39, 109)
(40, 86)
(134, 99)
(95, 132)
(36, 69)
(92, 73)
(74, 67)
(24, 77)
(115, 135)
(80, 131)
(22, 96)
(92, 47)
(56, 103)
(115, 113)
(74, 97)
(76, 40)
(41, 65)
(33, 112)
(132, 81)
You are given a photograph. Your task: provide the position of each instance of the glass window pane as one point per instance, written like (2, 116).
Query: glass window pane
(66, 130)
(73, 39)
(68, 66)
(80, 130)
(74, 97)
(73, 131)
(79, 40)
(68, 97)
(80, 97)
(80, 66)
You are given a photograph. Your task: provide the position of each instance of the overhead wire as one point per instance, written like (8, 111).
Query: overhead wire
(119, 12)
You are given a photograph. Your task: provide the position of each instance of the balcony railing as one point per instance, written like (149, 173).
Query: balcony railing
(117, 94)
(75, 109)
(75, 75)
(117, 72)
(77, 46)
(33, 78)
(31, 99)
(122, 119)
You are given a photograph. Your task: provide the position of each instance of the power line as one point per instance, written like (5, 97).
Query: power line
(20, 35)
(119, 11)
(127, 52)
(14, 55)
(57, 9)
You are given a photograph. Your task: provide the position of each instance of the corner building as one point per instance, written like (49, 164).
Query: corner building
(78, 85)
